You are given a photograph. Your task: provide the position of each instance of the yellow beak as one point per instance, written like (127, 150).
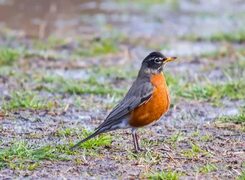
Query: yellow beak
(170, 59)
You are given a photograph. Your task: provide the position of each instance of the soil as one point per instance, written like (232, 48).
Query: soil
(144, 28)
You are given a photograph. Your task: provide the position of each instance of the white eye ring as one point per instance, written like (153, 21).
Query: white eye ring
(158, 61)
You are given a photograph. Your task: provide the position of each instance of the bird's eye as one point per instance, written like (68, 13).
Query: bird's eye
(157, 61)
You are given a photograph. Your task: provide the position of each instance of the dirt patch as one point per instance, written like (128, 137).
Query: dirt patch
(57, 88)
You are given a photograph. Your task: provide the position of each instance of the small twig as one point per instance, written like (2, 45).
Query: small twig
(24, 118)
(179, 158)
(173, 159)
(66, 108)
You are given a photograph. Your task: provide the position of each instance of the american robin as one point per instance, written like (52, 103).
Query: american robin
(145, 102)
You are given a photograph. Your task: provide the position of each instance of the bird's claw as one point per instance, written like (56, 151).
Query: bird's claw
(138, 150)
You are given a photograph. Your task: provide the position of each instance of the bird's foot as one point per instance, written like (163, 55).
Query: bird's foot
(138, 150)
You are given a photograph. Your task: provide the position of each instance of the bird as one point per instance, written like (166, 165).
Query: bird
(145, 102)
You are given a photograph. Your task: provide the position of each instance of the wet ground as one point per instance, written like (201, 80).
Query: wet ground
(65, 64)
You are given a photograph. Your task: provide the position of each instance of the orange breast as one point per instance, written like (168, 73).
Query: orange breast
(157, 105)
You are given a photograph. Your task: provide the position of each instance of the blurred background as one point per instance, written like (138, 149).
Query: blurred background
(65, 63)
(157, 24)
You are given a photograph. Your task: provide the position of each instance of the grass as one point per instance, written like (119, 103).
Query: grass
(26, 100)
(50, 43)
(8, 56)
(145, 4)
(58, 84)
(175, 138)
(89, 86)
(65, 132)
(197, 92)
(47, 78)
(206, 138)
(174, 84)
(97, 47)
(171, 80)
(23, 156)
(194, 152)
(210, 92)
(113, 72)
(165, 175)
(227, 52)
(235, 70)
(195, 133)
(148, 156)
(215, 54)
(6, 71)
(208, 168)
(86, 87)
(238, 119)
(233, 90)
(205, 91)
(101, 140)
(236, 36)
(242, 176)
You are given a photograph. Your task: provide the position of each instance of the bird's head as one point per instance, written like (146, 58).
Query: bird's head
(154, 62)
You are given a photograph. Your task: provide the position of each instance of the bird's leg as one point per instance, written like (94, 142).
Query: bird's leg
(135, 140)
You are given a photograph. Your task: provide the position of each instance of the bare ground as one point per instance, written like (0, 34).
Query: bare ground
(188, 139)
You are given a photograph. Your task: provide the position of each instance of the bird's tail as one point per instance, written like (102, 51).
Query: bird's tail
(86, 139)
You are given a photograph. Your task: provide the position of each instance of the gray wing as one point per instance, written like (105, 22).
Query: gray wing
(137, 95)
